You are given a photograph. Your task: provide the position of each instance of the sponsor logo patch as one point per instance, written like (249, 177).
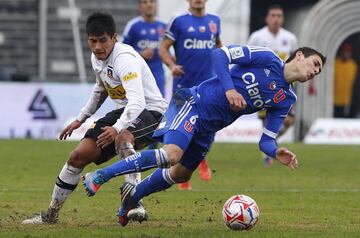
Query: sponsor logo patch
(236, 52)
(130, 76)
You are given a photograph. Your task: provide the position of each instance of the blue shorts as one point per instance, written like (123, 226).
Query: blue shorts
(181, 126)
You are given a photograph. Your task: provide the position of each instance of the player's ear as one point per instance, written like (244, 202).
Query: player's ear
(114, 37)
(299, 55)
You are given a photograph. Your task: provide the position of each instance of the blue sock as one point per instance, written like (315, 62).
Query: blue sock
(157, 181)
(138, 162)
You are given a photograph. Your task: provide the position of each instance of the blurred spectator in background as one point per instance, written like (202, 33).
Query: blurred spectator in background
(345, 74)
(283, 42)
(144, 33)
(193, 34)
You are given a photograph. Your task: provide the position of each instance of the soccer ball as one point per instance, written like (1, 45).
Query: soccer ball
(240, 212)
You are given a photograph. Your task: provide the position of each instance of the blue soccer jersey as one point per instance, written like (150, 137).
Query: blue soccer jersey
(141, 34)
(257, 74)
(194, 39)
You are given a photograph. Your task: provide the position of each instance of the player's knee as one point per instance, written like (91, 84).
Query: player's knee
(124, 137)
(76, 159)
(173, 153)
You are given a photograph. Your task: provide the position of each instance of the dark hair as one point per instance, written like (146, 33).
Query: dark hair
(307, 51)
(98, 23)
(273, 7)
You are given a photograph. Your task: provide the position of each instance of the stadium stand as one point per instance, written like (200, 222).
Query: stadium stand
(20, 28)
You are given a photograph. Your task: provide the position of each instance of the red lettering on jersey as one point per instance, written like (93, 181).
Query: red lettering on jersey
(279, 96)
(188, 127)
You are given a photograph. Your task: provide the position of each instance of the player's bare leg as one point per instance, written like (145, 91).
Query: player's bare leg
(85, 153)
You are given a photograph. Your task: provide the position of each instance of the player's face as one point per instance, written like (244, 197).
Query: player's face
(102, 45)
(147, 7)
(197, 4)
(275, 18)
(308, 67)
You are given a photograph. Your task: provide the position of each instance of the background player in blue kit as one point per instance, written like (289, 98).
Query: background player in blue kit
(259, 79)
(193, 34)
(144, 34)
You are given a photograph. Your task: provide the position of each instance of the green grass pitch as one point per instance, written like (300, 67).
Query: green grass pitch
(320, 199)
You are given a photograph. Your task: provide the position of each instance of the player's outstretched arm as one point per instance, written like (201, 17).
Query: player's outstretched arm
(286, 157)
(69, 129)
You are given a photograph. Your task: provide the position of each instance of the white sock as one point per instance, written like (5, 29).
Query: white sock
(133, 178)
(66, 183)
(124, 150)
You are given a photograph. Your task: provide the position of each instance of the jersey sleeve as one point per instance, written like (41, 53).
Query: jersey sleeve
(97, 98)
(273, 122)
(172, 30)
(128, 68)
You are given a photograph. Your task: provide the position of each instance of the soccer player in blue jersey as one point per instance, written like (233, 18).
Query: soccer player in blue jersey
(193, 34)
(259, 79)
(144, 34)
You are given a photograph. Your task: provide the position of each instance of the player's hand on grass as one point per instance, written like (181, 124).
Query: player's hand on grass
(106, 137)
(286, 157)
(177, 70)
(236, 100)
(69, 129)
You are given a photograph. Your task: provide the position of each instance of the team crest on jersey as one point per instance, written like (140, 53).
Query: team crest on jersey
(213, 27)
(161, 31)
(110, 72)
(284, 42)
(130, 76)
(152, 31)
(202, 29)
(272, 85)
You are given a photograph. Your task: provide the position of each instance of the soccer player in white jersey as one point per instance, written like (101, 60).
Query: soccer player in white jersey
(283, 42)
(273, 35)
(123, 75)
